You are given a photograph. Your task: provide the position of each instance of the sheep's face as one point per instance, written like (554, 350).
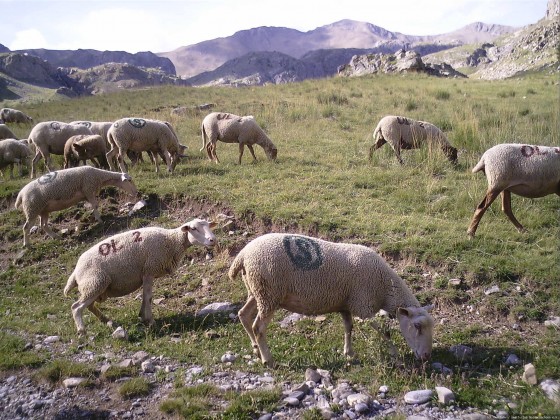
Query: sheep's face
(127, 184)
(272, 154)
(417, 327)
(200, 232)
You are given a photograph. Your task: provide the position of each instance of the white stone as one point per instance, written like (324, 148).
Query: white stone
(228, 357)
(551, 388)
(120, 334)
(361, 408)
(215, 308)
(492, 290)
(354, 399)
(383, 389)
(530, 374)
(445, 395)
(418, 397)
(51, 339)
(294, 402)
(148, 367)
(461, 352)
(553, 322)
(73, 382)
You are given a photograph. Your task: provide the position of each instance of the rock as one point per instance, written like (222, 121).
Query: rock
(125, 363)
(73, 382)
(529, 374)
(354, 399)
(474, 416)
(120, 334)
(148, 367)
(51, 339)
(553, 322)
(292, 401)
(492, 290)
(361, 408)
(301, 388)
(158, 301)
(139, 357)
(445, 395)
(461, 352)
(291, 319)
(441, 368)
(297, 394)
(551, 388)
(228, 357)
(312, 375)
(383, 389)
(455, 282)
(267, 416)
(418, 397)
(512, 360)
(216, 308)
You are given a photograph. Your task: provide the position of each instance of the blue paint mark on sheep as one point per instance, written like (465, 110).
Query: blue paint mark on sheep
(47, 178)
(137, 122)
(55, 126)
(304, 253)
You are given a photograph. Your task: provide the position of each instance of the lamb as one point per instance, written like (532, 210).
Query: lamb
(6, 133)
(62, 189)
(123, 263)
(12, 152)
(138, 135)
(231, 128)
(406, 133)
(50, 137)
(526, 170)
(10, 115)
(312, 276)
(83, 147)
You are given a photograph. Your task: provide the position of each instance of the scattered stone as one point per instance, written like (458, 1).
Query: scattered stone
(216, 308)
(492, 290)
(51, 339)
(291, 319)
(211, 334)
(354, 399)
(455, 282)
(125, 363)
(228, 357)
(267, 416)
(148, 367)
(551, 388)
(139, 357)
(418, 397)
(312, 375)
(361, 408)
(120, 334)
(512, 360)
(301, 388)
(529, 374)
(158, 301)
(461, 352)
(445, 395)
(73, 382)
(383, 389)
(292, 401)
(439, 367)
(553, 322)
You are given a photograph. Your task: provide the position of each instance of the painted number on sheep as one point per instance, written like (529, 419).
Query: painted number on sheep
(137, 122)
(107, 247)
(55, 126)
(529, 151)
(304, 253)
(47, 178)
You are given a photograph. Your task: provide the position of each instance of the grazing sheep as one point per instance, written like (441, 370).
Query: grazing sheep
(526, 170)
(121, 264)
(6, 133)
(311, 276)
(139, 135)
(62, 189)
(96, 127)
(50, 137)
(10, 115)
(404, 133)
(231, 128)
(12, 152)
(83, 147)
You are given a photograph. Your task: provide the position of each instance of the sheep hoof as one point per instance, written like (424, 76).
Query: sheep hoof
(269, 364)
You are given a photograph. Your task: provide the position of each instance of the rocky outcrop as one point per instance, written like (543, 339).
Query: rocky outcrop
(552, 9)
(399, 62)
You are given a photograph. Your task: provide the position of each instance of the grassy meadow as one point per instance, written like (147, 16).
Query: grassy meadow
(322, 184)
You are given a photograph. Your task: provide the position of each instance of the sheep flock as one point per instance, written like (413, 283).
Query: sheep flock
(299, 273)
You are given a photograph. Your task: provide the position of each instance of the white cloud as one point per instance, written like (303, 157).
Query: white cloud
(27, 39)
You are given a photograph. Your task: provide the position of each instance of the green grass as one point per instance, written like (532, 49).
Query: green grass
(415, 215)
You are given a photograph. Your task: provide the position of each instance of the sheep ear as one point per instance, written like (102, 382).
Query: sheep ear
(428, 308)
(403, 312)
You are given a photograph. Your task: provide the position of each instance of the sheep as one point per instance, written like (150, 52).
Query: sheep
(12, 152)
(10, 115)
(6, 133)
(50, 137)
(526, 170)
(231, 128)
(406, 133)
(83, 147)
(62, 189)
(123, 263)
(312, 276)
(138, 135)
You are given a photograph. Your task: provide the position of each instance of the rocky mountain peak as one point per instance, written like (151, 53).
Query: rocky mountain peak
(552, 9)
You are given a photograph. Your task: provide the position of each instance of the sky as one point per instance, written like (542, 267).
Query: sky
(165, 25)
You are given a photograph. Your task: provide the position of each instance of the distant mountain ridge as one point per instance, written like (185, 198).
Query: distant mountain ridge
(345, 34)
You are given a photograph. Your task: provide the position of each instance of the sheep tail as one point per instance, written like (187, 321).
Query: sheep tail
(204, 137)
(70, 284)
(479, 166)
(377, 132)
(237, 266)
(18, 201)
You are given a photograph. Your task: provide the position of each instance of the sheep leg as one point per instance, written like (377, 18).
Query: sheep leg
(95, 310)
(147, 295)
(36, 159)
(241, 149)
(397, 150)
(246, 315)
(94, 205)
(506, 208)
(110, 155)
(209, 150)
(347, 320)
(44, 220)
(259, 330)
(386, 336)
(122, 163)
(480, 210)
(380, 142)
(26, 228)
(250, 147)
(214, 156)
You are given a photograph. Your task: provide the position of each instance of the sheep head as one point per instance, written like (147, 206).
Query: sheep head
(417, 327)
(199, 232)
(127, 184)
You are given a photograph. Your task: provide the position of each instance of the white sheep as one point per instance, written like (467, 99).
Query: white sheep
(231, 128)
(526, 170)
(83, 147)
(405, 133)
(6, 133)
(62, 189)
(123, 263)
(312, 276)
(50, 137)
(139, 135)
(11, 115)
(12, 152)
